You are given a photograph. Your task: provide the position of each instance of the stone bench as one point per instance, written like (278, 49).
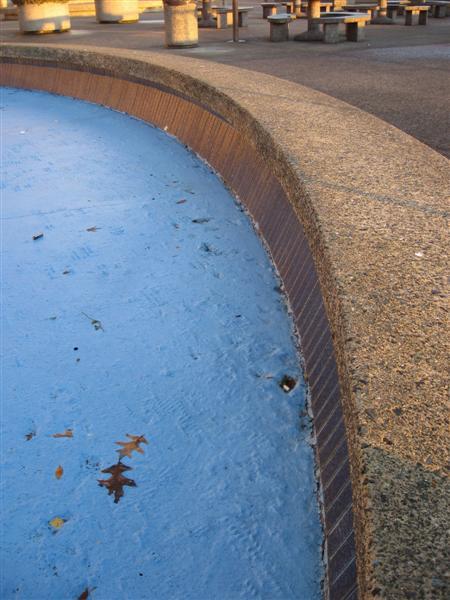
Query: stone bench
(270, 8)
(289, 7)
(439, 9)
(224, 16)
(279, 27)
(370, 9)
(420, 11)
(355, 26)
(395, 7)
(325, 7)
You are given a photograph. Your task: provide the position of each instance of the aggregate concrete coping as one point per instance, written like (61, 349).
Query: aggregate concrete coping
(373, 203)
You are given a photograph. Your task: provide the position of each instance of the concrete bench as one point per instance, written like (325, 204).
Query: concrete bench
(270, 8)
(325, 7)
(439, 9)
(289, 7)
(355, 26)
(224, 16)
(420, 11)
(279, 27)
(395, 7)
(370, 9)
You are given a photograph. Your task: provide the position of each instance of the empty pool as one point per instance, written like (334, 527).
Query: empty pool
(140, 307)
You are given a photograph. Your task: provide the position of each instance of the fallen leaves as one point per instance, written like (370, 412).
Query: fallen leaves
(117, 481)
(59, 472)
(30, 436)
(57, 523)
(67, 434)
(128, 447)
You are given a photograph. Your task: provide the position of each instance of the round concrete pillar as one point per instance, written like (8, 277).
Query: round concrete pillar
(180, 22)
(117, 11)
(313, 13)
(46, 17)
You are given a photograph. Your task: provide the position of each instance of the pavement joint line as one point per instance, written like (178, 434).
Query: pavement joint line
(378, 197)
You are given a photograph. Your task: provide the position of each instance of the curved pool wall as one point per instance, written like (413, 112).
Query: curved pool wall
(148, 306)
(371, 223)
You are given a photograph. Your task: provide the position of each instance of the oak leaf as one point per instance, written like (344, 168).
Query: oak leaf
(117, 481)
(128, 447)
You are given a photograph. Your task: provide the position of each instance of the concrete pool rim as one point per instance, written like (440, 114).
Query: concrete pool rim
(312, 173)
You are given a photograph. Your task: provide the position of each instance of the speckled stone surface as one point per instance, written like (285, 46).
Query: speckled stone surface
(374, 204)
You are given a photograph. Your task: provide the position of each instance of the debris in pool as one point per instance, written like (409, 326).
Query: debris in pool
(30, 436)
(182, 201)
(264, 375)
(200, 221)
(93, 229)
(95, 322)
(210, 249)
(67, 434)
(59, 472)
(52, 318)
(84, 595)
(288, 383)
(128, 447)
(56, 523)
(38, 236)
(66, 272)
(117, 481)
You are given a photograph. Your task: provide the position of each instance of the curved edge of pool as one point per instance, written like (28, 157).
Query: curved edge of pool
(356, 230)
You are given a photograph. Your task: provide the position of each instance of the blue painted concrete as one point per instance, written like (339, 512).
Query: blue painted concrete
(191, 340)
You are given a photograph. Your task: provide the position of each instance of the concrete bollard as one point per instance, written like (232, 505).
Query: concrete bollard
(117, 11)
(180, 23)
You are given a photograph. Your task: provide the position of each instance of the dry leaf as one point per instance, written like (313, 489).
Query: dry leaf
(182, 201)
(38, 236)
(59, 472)
(67, 434)
(92, 229)
(57, 523)
(128, 447)
(117, 481)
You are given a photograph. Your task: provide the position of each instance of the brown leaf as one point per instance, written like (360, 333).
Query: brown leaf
(30, 436)
(59, 472)
(67, 434)
(128, 447)
(84, 595)
(117, 481)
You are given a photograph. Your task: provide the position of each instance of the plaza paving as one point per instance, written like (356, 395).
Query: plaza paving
(400, 74)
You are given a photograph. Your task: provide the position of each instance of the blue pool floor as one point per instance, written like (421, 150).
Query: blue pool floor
(147, 307)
